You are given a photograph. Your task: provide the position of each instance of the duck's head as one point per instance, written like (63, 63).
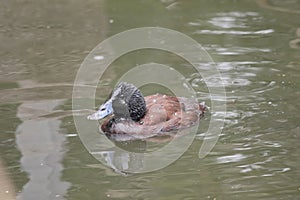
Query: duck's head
(125, 102)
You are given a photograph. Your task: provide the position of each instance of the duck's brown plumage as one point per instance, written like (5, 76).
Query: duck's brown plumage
(163, 114)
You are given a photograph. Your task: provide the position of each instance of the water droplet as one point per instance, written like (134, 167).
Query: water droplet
(98, 57)
(111, 21)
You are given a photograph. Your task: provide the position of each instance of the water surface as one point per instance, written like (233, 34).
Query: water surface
(256, 46)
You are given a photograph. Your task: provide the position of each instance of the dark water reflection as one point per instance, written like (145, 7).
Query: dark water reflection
(256, 47)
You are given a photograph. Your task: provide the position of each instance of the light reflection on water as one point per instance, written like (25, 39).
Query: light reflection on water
(255, 48)
(41, 146)
(234, 32)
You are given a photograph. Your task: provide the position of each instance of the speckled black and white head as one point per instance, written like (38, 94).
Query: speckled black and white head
(125, 102)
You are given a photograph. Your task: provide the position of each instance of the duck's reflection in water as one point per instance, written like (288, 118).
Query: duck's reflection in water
(125, 156)
(135, 156)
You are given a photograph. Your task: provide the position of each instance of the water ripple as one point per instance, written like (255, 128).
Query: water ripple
(234, 32)
(233, 19)
(231, 158)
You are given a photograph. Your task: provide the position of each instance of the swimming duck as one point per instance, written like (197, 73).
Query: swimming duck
(143, 117)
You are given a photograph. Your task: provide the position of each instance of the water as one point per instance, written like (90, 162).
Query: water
(256, 46)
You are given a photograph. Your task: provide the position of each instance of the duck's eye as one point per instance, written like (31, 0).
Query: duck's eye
(102, 109)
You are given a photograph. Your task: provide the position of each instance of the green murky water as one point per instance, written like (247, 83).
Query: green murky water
(256, 46)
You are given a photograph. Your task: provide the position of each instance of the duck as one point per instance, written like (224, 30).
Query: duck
(128, 113)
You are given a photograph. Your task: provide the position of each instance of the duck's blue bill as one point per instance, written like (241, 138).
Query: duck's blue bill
(104, 110)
